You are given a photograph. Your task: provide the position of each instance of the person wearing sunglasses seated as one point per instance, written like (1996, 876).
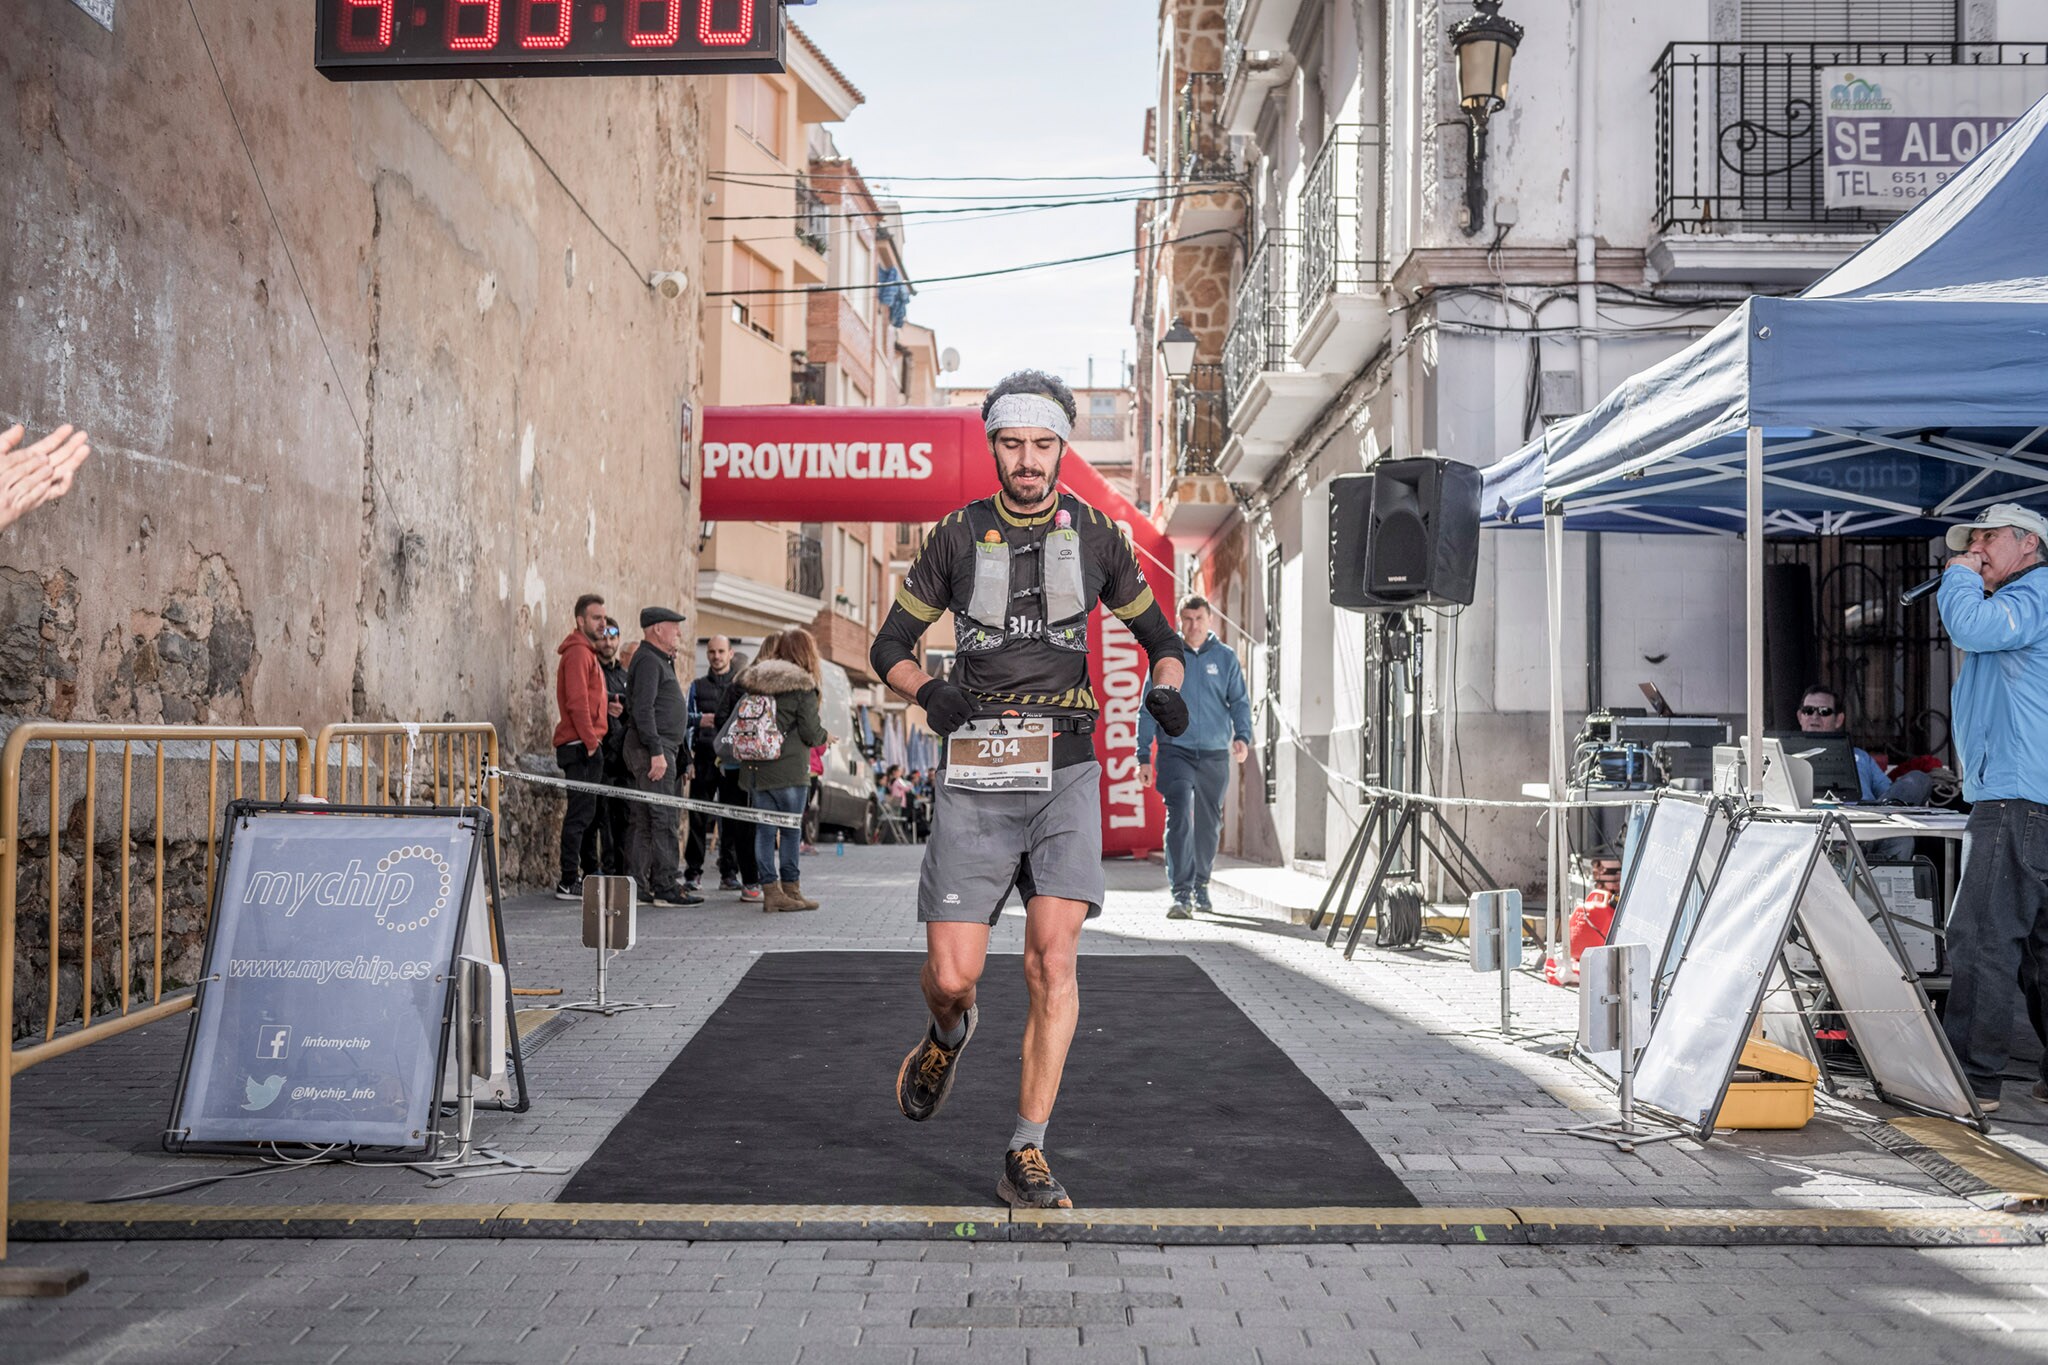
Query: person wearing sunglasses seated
(1821, 713)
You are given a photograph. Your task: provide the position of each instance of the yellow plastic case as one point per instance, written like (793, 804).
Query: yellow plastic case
(1783, 1102)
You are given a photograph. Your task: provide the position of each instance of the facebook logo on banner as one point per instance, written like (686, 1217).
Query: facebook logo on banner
(274, 1042)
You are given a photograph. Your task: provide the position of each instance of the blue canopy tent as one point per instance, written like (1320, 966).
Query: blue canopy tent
(1898, 394)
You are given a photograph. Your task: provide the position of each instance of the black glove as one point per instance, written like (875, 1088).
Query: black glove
(947, 706)
(1168, 708)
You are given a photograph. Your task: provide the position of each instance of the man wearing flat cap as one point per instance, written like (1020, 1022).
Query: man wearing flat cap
(1994, 604)
(657, 728)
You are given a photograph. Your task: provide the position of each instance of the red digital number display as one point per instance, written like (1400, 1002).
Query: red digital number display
(434, 39)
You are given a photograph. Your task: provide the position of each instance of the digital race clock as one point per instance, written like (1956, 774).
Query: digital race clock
(393, 40)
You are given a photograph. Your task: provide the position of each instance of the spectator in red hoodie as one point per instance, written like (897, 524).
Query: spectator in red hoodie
(581, 699)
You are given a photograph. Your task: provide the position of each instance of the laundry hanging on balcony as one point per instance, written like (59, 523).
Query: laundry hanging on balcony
(894, 293)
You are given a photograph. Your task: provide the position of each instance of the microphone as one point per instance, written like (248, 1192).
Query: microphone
(1912, 595)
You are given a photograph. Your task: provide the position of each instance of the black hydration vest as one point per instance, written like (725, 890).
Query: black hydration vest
(981, 600)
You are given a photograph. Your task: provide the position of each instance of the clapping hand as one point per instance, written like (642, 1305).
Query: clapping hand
(35, 474)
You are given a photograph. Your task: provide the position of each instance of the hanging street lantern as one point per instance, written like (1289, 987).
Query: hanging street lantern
(1485, 46)
(1177, 350)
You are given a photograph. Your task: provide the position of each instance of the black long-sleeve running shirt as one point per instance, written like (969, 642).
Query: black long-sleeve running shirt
(1027, 673)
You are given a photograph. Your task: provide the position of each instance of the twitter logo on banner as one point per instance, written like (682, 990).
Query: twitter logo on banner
(262, 1094)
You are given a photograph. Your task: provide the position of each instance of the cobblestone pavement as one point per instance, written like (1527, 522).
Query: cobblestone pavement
(921, 1304)
(1398, 1041)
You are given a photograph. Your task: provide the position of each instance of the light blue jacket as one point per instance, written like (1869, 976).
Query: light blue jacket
(1876, 784)
(1999, 707)
(1219, 708)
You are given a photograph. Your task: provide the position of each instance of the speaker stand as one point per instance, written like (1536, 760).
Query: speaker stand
(1403, 823)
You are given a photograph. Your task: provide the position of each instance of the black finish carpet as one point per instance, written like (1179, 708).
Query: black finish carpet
(1171, 1098)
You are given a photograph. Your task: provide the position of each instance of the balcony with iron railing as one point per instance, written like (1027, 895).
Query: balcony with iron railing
(813, 218)
(1269, 396)
(807, 384)
(1342, 265)
(1261, 319)
(1233, 45)
(1256, 41)
(1203, 195)
(1201, 147)
(806, 565)
(1200, 424)
(1741, 148)
(1196, 501)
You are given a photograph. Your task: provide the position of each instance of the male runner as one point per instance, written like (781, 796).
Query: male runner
(1021, 573)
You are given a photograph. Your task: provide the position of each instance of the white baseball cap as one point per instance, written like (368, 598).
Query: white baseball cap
(1999, 514)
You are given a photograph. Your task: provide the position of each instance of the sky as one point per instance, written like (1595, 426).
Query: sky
(968, 88)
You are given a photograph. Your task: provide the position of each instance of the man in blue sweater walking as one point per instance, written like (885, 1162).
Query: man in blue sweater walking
(1194, 767)
(1994, 603)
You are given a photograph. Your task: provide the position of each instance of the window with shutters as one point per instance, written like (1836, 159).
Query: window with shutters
(754, 283)
(758, 104)
(1847, 21)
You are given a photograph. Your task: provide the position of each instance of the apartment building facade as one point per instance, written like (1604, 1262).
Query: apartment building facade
(807, 299)
(1372, 288)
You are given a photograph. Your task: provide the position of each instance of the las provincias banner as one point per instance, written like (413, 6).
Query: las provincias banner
(799, 464)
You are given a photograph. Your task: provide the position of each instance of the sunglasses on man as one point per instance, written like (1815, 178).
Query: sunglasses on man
(1822, 711)
(611, 632)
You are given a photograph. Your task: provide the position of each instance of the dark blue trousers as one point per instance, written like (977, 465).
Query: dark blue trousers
(1996, 932)
(1191, 782)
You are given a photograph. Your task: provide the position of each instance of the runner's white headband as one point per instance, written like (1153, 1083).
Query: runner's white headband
(1029, 410)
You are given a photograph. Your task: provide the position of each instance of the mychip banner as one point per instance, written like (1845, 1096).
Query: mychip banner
(322, 1017)
(1893, 135)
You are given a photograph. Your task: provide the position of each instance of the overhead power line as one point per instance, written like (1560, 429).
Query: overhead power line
(978, 208)
(1131, 251)
(1138, 188)
(957, 179)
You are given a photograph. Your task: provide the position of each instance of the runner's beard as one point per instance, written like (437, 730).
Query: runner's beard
(1018, 500)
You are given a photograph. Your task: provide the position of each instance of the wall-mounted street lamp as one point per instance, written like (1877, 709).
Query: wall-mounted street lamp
(1177, 350)
(1485, 45)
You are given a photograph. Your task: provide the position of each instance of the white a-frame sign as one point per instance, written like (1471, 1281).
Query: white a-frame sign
(1773, 877)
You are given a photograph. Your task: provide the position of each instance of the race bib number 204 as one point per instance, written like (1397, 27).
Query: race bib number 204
(1009, 754)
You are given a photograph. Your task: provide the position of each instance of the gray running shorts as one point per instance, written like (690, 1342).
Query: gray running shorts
(984, 843)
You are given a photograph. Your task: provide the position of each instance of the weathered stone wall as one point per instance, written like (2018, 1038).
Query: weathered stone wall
(374, 378)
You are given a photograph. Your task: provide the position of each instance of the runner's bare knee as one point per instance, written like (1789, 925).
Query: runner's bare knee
(1052, 941)
(955, 955)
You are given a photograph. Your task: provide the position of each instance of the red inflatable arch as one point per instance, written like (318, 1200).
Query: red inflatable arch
(798, 464)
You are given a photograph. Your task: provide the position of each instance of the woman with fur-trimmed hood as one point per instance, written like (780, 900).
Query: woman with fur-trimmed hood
(789, 673)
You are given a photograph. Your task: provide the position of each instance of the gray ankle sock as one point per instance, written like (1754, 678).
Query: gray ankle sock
(1028, 1134)
(953, 1037)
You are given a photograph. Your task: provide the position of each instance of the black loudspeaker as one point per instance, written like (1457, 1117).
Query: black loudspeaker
(1405, 534)
(1350, 524)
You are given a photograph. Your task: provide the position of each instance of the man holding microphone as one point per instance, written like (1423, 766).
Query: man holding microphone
(1994, 604)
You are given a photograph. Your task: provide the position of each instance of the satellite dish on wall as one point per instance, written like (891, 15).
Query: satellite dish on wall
(949, 360)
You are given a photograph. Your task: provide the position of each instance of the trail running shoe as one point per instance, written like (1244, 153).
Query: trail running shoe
(1027, 1182)
(926, 1076)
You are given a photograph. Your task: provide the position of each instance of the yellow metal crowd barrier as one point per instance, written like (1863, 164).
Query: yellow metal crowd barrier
(267, 762)
(454, 760)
